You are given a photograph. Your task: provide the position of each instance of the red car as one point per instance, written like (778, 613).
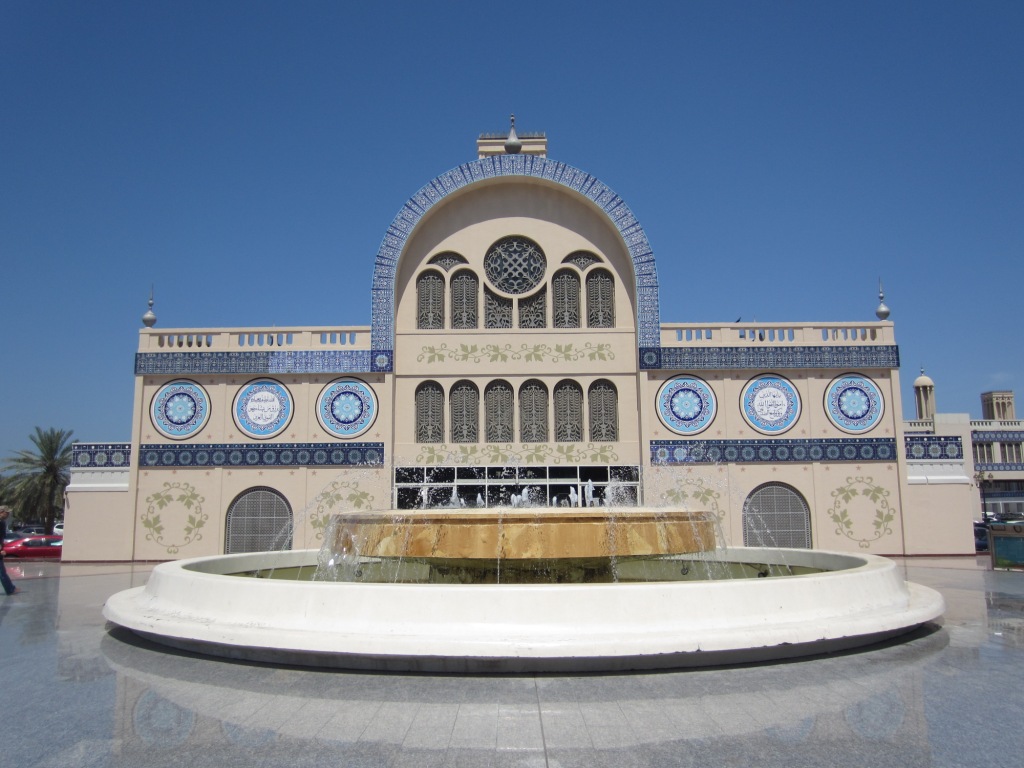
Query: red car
(35, 546)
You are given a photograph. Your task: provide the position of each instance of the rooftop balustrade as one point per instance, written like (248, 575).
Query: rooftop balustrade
(248, 339)
(775, 334)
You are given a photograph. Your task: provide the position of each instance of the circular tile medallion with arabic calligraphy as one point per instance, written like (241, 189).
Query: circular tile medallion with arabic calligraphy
(180, 409)
(686, 405)
(346, 407)
(854, 403)
(262, 408)
(770, 404)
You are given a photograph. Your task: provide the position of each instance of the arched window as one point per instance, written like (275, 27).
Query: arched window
(430, 301)
(447, 260)
(465, 408)
(497, 310)
(533, 412)
(565, 299)
(258, 520)
(600, 299)
(568, 399)
(429, 413)
(533, 310)
(776, 515)
(500, 414)
(464, 300)
(603, 400)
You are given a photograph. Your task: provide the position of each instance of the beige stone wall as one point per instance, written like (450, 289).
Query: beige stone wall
(184, 513)
(98, 525)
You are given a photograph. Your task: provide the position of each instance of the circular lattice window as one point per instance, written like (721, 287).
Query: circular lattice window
(515, 264)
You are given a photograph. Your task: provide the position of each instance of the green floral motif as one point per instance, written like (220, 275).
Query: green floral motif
(863, 493)
(527, 453)
(528, 353)
(337, 496)
(166, 501)
(693, 493)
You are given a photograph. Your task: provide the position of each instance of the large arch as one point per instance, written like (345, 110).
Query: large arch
(618, 214)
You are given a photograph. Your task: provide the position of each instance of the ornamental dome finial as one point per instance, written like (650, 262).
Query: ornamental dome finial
(149, 319)
(513, 146)
(882, 313)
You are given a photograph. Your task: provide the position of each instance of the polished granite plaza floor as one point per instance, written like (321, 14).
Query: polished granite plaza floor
(77, 692)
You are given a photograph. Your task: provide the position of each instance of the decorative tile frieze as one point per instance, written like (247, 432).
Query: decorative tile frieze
(618, 213)
(1001, 436)
(853, 449)
(279, 362)
(726, 358)
(998, 467)
(933, 447)
(100, 455)
(261, 455)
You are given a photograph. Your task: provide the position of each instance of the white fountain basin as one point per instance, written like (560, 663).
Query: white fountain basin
(193, 604)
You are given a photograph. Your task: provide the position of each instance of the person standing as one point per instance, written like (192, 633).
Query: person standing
(5, 580)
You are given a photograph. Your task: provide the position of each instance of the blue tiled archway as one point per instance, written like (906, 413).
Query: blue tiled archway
(618, 213)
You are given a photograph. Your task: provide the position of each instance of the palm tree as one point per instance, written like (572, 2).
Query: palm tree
(37, 479)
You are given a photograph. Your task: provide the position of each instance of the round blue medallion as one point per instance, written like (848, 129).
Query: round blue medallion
(346, 408)
(770, 404)
(262, 408)
(180, 409)
(854, 403)
(686, 405)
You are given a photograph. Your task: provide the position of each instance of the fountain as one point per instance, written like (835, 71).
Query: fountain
(456, 590)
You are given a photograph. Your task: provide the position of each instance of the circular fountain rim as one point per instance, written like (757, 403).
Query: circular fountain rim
(192, 604)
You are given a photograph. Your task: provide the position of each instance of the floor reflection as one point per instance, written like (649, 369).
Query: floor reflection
(80, 693)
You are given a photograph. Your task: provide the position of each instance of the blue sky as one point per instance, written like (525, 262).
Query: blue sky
(246, 158)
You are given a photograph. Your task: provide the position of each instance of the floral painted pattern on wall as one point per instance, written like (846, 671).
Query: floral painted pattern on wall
(174, 516)
(527, 353)
(495, 453)
(337, 497)
(861, 511)
(693, 494)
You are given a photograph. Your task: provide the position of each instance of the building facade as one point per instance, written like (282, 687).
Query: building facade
(516, 356)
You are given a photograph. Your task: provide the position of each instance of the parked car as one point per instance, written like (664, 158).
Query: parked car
(31, 530)
(35, 546)
(980, 537)
(58, 528)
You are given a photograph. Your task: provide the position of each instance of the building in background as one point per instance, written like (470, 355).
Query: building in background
(516, 356)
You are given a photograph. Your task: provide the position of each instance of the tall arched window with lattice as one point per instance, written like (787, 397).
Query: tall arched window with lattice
(497, 310)
(429, 413)
(533, 310)
(500, 413)
(776, 515)
(565, 299)
(568, 401)
(430, 301)
(603, 401)
(465, 301)
(464, 404)
(258, 520)
(600, 299)
(533, 412)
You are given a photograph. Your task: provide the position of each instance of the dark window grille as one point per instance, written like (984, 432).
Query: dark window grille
(775, 515)
(258, 520)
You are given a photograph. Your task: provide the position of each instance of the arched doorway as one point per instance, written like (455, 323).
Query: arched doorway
(258, 520)
(776, 515)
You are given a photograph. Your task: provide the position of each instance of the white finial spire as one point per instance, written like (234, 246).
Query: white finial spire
(882, 313)
(149, 319)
